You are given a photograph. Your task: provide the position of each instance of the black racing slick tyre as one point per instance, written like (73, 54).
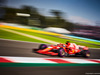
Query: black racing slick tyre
(61, 52)
(86, 53)
(43, 46)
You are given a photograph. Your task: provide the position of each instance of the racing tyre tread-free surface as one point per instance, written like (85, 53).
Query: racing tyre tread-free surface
(43, 46)
(86, 53)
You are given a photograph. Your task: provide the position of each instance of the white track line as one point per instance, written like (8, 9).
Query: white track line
(79, 61)
(45, 60)
(30, 36)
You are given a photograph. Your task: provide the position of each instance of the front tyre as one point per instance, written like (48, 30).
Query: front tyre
(86, 53)
(42, 46)
(61, 52)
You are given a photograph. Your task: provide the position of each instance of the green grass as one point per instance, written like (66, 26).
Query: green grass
(60, 40)
(92, 42)
(12, 36)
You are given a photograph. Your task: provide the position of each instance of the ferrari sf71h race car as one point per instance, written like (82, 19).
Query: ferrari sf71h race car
(61, 50)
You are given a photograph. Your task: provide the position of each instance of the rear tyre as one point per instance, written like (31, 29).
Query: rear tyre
(61, 52)
(43, 46)
(86, 53)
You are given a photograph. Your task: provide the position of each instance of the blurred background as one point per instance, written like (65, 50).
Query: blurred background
(70, 17)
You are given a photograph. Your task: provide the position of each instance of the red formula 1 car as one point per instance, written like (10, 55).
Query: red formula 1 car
(61, 50)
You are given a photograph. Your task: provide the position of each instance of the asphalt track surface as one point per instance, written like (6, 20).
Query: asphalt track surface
(25, 49)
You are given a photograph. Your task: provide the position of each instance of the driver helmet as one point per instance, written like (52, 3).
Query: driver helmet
(67, 43)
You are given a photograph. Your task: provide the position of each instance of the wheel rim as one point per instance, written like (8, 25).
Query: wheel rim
(63, 53)
(88, 55)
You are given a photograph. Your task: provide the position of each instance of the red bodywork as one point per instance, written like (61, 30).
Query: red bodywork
(49, 49)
